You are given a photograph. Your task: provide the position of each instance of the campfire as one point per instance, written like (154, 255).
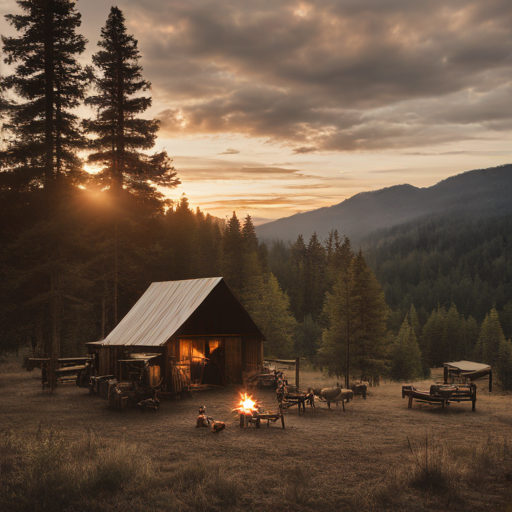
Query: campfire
(247, 405)
(246, 409)
(249, 412)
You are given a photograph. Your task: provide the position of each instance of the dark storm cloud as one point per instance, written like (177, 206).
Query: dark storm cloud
(330, 74)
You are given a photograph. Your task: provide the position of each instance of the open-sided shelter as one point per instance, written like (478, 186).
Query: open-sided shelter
(467, 371)
(195, 327)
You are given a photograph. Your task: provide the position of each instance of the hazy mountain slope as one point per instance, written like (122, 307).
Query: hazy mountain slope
(440, 259)
(483, 191)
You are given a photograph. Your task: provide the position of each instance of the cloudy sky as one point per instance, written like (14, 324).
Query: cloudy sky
(271, 107)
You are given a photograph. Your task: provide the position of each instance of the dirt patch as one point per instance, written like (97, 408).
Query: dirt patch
(323, 460)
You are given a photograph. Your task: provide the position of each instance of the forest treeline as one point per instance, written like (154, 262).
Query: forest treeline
(78, 249)
(441, 260)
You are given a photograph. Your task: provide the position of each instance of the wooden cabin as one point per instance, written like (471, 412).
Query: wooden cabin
(195, 328)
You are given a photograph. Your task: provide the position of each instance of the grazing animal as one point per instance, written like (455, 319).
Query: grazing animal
(330, 394)
(360, 388)
(335, 395)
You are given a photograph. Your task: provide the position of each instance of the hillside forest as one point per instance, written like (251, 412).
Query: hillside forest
(78, 249)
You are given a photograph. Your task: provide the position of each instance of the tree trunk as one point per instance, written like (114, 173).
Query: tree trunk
(49, 98)
(120, 119)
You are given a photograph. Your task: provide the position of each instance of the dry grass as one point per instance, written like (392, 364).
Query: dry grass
(69, 452)
(42, 472)
(439, 476)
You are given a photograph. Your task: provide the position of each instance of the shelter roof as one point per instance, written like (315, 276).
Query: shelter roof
(134, 358)
(163, 309)
(467, 366)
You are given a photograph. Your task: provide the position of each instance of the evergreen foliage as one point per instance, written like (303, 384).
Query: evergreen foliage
(442, 260)
(297, 281)
(487, 349)
(492, 348)
(308, 338)
(504, 365)
(315, 277)
(269, 307)
(357, 313)
(232, 255)
(405, 355)
(43, 133)
(120, 134)
(73, 261)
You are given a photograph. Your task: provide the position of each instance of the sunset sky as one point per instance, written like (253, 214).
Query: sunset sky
(275, 107)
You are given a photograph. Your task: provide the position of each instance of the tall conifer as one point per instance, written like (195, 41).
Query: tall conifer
(50, 83)
(120, 136)
(406, 355)
(357, 311)
(297, 289)
(315, 277)
(232, 255)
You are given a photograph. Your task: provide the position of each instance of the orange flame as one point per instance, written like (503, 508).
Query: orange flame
(247, 405)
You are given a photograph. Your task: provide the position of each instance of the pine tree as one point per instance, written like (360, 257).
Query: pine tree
(308, 337)
(44, 132)
(414, 321)
(433, 339)
(119, 134)
(338, 256)
(269, 306)
(406, 355)
(357, 312)
(207, 247)
(297, 290)
(504, 364)
(251, 256)
(315, 277)
(370, 320)
(506, 319)
(181, 243)
(491, 336)
(343, 253)
(232, 264)
(454, 335)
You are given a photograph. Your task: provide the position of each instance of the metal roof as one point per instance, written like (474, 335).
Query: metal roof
(161, 311)
(467, 366)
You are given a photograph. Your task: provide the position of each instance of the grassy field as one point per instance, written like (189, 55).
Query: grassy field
(68, 451)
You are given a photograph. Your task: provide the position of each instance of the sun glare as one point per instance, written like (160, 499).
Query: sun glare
(92, 169)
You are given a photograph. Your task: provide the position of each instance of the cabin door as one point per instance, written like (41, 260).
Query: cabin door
(214, 369)
(233, 359)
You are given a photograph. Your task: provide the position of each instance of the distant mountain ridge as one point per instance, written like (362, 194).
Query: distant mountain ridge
(481, 192)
